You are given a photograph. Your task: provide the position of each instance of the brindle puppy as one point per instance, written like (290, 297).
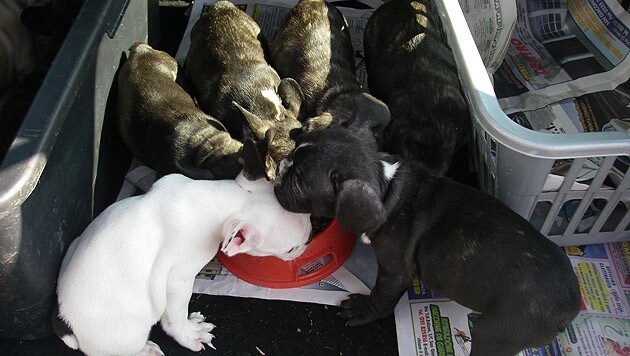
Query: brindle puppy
(162, 127)
(233, 82)
(313, 46)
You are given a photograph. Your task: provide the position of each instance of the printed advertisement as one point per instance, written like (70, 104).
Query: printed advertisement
(563, 49)
(437, 328)
(429, 324)
(491, 23)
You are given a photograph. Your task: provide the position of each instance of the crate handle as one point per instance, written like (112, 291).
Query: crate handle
(113, 27)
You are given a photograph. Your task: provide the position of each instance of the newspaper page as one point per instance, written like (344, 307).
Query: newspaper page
(561, 49)
(429, 324)
(585, 113)
(214, 279)
(606, 110)
(594, 112)
(491, 23)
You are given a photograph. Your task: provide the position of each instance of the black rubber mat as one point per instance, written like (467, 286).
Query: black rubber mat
(248, 326)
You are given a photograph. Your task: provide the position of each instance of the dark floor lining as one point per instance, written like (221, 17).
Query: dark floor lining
(248, 326)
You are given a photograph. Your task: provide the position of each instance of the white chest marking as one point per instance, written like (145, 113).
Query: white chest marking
(389, 169)
(273, 97)
(284, 165)
(305, 144)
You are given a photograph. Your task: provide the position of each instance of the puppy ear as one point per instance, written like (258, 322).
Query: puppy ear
(265, 154)
(238, 238)
(259, 127)
(369, 113)
(263, 145)
(359, 207)
(318, 122)
(291, 95)
(253, 162)
(215, 123)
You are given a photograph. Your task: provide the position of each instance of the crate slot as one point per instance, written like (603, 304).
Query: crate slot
(514, 162)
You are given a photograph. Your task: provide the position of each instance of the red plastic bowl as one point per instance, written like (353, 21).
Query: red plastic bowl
(326, 252)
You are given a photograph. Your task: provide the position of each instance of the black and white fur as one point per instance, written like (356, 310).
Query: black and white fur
(313, 46)
(462, 243)
(161, 125)
(233, 82)
(135, 264)
(411, 68)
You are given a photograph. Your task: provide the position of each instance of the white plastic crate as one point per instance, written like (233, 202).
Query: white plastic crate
(513, 162)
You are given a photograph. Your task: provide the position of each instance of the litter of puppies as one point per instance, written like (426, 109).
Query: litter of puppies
(375, 161)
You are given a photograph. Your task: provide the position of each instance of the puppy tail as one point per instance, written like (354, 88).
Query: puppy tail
(63, 330)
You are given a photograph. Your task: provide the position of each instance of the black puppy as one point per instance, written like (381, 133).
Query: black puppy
(462, 243)
(162, 127)
(233, 82)
(313, 46)
(411, 68)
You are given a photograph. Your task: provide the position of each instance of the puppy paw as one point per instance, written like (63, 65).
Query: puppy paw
(196, 317)
(151, 349)
(194, 333)
(356, 310)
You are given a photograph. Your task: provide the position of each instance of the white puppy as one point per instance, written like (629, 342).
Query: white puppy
(135, 264)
